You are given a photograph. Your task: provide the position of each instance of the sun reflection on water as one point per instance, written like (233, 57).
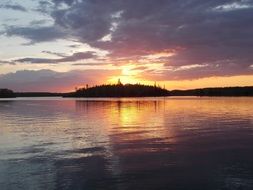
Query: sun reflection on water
(86, 141)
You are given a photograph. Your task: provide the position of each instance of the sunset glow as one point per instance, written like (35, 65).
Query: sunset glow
(126, 94)
(151, 42)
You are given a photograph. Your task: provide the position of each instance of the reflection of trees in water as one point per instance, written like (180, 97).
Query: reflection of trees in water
(138, 155)
(134, 144)
(83, 105)
(127, 121)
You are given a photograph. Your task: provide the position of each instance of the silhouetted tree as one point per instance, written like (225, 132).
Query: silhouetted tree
(120, 90)
(6, 93)
(226, 91)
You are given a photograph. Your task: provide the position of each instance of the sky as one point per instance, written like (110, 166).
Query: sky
(58, 45)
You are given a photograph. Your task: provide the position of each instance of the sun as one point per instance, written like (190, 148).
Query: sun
(128, 76)
(126, 71)
(123, 79)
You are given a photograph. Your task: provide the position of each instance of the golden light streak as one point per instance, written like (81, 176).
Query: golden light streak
(128, 75)
(244, 80)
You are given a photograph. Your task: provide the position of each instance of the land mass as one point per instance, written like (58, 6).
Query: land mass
(120, 90)
(138, 90)
(6, 93)
(225, 91)
(133, 90)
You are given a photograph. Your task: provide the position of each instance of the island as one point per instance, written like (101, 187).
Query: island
(119, 90)
(6, 93)
(133, 90)
(225, 91)
(140, 90)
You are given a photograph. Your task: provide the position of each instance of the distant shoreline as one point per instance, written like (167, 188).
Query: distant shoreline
(99, 92)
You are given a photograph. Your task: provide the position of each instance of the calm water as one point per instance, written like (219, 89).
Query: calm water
(150, 143)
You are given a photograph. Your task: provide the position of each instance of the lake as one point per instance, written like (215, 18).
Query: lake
(176, 143)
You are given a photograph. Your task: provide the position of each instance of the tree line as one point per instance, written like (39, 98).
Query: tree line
(133, 90)
(119, 90)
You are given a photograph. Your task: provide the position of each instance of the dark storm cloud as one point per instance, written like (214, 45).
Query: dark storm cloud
(201, 32)
(14, 7)
(89, 21)
(72, 58)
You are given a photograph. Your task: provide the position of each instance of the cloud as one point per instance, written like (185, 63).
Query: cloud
(48, 80)
(44, 7)
(14, 7)
(193, 72)
(90, 64)
(72, 58)
(3, 62)
(39, 22)
(36, 33)
(55, 53)
(141, 68)
(202, 32)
